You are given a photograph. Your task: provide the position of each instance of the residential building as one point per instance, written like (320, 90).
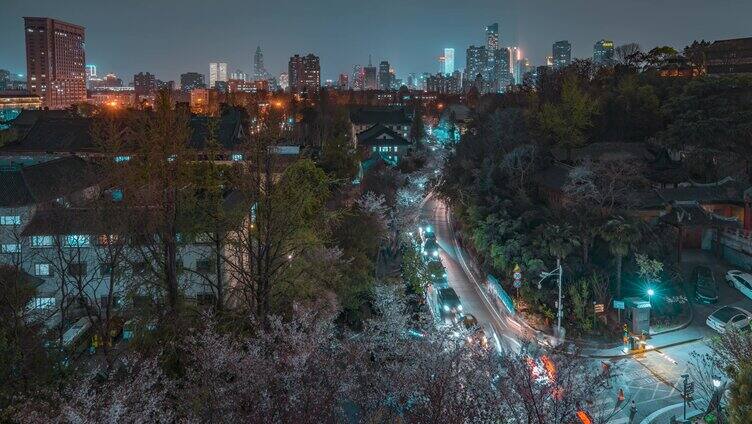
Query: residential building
(603, 52)
(380, 141)
(562, 54)
(448, 62)
(733, 56)
(284, 81)
(192, 80)
(343, 82)
(217, 72)
(475, 62)
(144, 84)
(239, 75)
(394, 118)
(55, 62)
(311, 73)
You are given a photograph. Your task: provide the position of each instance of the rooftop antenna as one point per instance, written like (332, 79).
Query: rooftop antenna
(369, 61)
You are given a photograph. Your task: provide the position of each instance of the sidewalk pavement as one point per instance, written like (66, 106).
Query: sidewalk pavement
(663, 415)
(659, 341)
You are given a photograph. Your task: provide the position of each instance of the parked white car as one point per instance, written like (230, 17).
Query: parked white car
(740, 280)
(728, 317)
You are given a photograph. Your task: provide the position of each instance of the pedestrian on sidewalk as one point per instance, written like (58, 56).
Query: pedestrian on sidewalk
(606, 374)
(632, 411)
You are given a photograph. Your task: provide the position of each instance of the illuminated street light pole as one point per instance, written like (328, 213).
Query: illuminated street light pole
(651, 292)
(558, 272)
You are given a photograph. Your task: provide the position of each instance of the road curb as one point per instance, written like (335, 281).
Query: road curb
(623, 355)
(649, 419)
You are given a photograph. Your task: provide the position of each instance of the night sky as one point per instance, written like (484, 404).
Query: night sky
(170, 37)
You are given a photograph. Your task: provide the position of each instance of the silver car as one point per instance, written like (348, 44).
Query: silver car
(728, 317)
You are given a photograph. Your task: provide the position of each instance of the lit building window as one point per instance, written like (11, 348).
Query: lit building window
(237, 157)
(41, 241)
(10, 248)
(10, 220)
(42, 270)
(76, 240)
(119, 159)
(42, 303)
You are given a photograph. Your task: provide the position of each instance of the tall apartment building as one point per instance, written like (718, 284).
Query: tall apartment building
(55, 61)
(562, 53)
(217, 73)
(304, 73)
(144, 84)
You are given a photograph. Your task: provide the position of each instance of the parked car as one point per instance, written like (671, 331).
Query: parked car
(450, 307)
(740, 280)
(728, 317)
(706, 289)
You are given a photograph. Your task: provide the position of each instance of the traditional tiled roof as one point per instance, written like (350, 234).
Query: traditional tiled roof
(380, 135)
(606, 151)
(46, 181)
(688, 214)
(379, 115)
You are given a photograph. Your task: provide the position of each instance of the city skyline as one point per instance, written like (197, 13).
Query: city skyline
(233, 32)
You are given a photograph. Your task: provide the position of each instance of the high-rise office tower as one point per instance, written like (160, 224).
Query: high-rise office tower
(144, 84)
(311, 73)
(475, 62)
(492, 37)
(217, 73)
(192, 80)
(562, 54)
(91, 71)
(358, 76)
(370, 80)
(504, 69)
(448, 62)
(603, 52)
(55, 60)
(385, 78)
(259, 71)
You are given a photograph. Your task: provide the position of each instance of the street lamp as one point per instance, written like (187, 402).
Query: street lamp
(651, 292)
(556, 272)
(716, 381)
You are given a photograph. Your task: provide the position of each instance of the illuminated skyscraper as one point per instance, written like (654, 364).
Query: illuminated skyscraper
(358, 75)
(562, 54)
(475, 62)
(385, 78)
(343, 83)
(217, 72)
(259, 71)
(603, 52)
(55, 60)
(370, 80)
(311, 73)
(448, 62)
(492, 37)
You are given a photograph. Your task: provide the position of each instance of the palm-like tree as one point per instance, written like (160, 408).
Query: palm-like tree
(621, 235)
